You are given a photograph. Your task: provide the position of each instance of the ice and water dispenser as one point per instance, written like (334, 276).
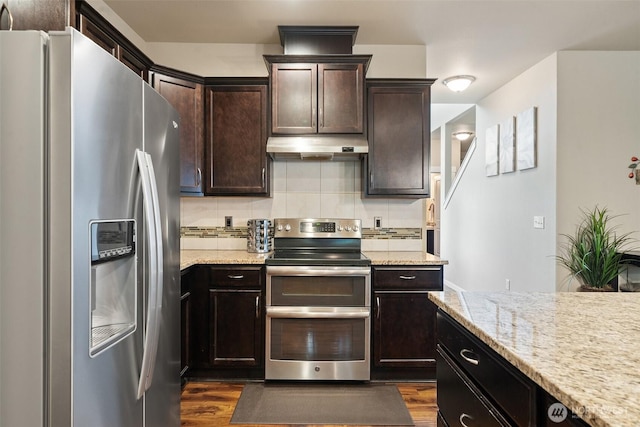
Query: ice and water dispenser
(113, 288)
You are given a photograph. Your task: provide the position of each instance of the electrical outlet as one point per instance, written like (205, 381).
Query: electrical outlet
(228, 221)
(507, 284)
(377, 222)
(538, 222)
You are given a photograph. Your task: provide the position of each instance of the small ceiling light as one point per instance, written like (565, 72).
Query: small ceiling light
(458, 83)
(463, 135)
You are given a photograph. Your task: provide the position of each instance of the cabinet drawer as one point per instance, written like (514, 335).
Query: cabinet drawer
(509, 389)
(421, 278)
(236, 277)
(459, 402)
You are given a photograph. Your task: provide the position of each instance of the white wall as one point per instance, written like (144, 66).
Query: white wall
(599, 113)
(588, 107)
(487, 228)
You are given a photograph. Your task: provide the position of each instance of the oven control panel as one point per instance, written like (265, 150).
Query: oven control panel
(313, 227)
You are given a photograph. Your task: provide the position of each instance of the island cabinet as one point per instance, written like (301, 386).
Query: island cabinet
(398, 130)
(185, 92)
(236, 137)
(317, 94)
(477, 386)
(404, 322)
(227, 322)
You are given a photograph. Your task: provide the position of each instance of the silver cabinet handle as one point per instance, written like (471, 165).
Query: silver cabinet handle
(235, 276)
(377, 307)
(4, 8)
(462, 417)
(466, 353)
(258, 307)
(371, 179)
(263, 177)
(198, 177)
(408, 277)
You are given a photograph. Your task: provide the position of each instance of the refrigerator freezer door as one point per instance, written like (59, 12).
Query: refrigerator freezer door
(96, 126)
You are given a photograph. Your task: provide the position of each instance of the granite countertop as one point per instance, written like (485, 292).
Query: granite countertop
(194, 256)
(581, 347)
(191, 257)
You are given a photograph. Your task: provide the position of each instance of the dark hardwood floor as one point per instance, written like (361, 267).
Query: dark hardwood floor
(212, 403)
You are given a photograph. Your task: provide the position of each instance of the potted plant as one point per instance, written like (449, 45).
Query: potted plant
(593, 254)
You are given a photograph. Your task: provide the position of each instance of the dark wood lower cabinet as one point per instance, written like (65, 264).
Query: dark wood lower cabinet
(236, 326)
(404, 331)
(227, 322)
(185, 323)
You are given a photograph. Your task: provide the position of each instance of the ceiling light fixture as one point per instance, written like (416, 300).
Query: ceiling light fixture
(458, 83)
(463, 135)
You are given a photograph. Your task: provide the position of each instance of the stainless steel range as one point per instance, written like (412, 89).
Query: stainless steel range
(318, 318)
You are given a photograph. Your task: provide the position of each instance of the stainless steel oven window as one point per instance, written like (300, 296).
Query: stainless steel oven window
(318, 286)
(318, 339)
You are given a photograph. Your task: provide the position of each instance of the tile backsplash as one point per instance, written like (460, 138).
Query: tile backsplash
(308, 189)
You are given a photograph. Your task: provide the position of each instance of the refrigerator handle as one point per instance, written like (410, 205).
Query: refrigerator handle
(155, 270)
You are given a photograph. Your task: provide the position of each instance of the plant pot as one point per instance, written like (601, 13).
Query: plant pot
(587, 288)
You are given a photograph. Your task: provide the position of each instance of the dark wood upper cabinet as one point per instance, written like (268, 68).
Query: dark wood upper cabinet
(44, 15)
(399, 138)
(94, 26)
(186, 96)
(236, 140)
(317, 94)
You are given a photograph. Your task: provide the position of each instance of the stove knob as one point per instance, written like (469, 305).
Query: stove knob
(287, 227)
(355, 228)
(339, 228)
(280, 227)
(348, 228)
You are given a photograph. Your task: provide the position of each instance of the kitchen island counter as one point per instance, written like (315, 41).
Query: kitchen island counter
(191, 257)
(582, 348)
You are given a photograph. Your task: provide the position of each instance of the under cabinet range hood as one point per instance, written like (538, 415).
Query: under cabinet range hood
(309, 147)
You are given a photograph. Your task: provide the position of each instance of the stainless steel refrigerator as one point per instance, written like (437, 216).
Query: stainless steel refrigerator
(89, 239)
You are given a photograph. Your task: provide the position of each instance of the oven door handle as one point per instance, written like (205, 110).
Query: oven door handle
(319, 312)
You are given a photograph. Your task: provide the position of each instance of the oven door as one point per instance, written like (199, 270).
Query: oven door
(318, 323)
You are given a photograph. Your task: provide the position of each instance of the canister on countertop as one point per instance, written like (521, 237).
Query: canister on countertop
(258, 239)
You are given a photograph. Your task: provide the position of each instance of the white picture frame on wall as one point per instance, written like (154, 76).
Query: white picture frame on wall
(526, 130)
(507, 159)
(491, 150)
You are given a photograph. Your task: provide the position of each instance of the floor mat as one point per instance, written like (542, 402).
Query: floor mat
(351, 404)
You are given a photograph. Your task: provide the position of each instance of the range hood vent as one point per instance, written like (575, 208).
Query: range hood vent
(338, 147)
(317, 40)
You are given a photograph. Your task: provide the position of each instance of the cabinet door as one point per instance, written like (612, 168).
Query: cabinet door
(340, 98)
(187, 98)
(399, 141)
(404, 331)
(236, 149)
(294, 98)
(236, 326)
(100, 37)
(185, 328)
